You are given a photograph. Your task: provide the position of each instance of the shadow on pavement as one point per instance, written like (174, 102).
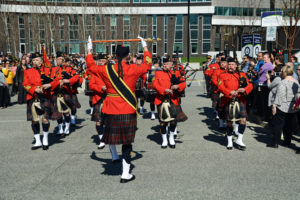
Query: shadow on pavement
(261, 134)
(220, 139)
(155, 137)
(114, 169)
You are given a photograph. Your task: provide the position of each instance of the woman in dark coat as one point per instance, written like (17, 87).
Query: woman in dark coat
(19, 81)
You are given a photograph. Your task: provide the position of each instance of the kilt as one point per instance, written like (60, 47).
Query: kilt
(72, 101)
(45, 105)
(243, 111)
(180, 115)
(97, 114)
(119, 129)
(55, 113)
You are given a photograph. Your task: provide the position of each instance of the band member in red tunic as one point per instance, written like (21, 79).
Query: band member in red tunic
(120, 105)
(235, 86)
(39, 99)
(168, 85)
(97, 85)
(216, 92)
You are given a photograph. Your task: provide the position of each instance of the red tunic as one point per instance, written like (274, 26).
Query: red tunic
(230, 81)
(131, 73)
(32, 80)
(210, 70)
(161, 82)
(96, 85)
(215, 78)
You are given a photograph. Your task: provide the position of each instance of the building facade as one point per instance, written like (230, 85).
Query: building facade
(214, 25)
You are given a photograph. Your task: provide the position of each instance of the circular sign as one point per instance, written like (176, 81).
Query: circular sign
(247, 51)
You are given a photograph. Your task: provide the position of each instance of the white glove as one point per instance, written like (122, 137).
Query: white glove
(144, 44)
(90, 44)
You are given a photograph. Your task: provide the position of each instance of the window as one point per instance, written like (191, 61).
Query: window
(166, 34)
(206, 33)
(74, 36)
(41, 27)
(178, 43)
(100, 27)
(143, 26)
(154, 33)
(31, 48)
(126, 26)
(113, 27)
(194, 30)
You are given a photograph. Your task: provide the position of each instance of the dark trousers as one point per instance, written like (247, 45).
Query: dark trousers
(4, 96)
(21, 94)
(263, 95)
(283, 122)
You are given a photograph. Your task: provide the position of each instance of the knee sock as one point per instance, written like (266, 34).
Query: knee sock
(73, 112)
(163, 129)
(229, 130)
(67, 118)
(173, 126)
(242, 128)
(45, 127)
(35, 128)
(60, 120)
(126, 149)
(152, 106)
(99, 129)
(142, 102)
(90, 102)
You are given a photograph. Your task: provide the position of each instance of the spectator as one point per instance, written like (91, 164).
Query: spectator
(19, 81)
(9, 78)
(260, 61)
(279, 62)
(294, 60)
(282, 108)
(263, 90)
(3, 85)
(13, 68)
(245, 63)
(295, 74)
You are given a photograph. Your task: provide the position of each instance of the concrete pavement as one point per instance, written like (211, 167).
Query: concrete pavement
(199, 168)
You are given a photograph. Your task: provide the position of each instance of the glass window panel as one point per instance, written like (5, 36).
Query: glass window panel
(220, 11)
(226, 11)
(207, 19)
(194, 34)
(251, 11)
(145, 1)
(136, 1)
(194, 47)
(179, 46)
(100, 48)
(194, 19)
(179, 20)
(206, 34)
(206, 47)
(113, 20)
(178, 35)
(245, 11)
(233, 11)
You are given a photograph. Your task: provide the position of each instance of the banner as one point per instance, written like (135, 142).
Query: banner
(271, 33)
(251, 45)
(271, 18)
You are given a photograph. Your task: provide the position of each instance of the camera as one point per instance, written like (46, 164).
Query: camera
(276, 73)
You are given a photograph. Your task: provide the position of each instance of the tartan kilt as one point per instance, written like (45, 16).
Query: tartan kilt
(243, 111)
(45, 105)
(97, 115)
(72, 101)
(119, 129)
(180, 115)
(55, 113)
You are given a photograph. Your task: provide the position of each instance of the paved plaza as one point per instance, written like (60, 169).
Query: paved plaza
(199, 168)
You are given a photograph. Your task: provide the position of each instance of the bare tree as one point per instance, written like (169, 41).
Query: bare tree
(292, 11)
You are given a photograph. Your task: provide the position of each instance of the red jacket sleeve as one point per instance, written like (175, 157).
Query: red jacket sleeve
(146, 65)
(222, 87)
(74, 79)
(55, 83)
(26, 84)
(91, 65)
(96, 84)
(156, 85)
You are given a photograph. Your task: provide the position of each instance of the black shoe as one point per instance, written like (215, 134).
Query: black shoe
(116, 161)
(286, 144)
(127, 180)
(172, 146)
(229, 148)
(163, 147)
(35, 148)
(272, 145)
(45, 147)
